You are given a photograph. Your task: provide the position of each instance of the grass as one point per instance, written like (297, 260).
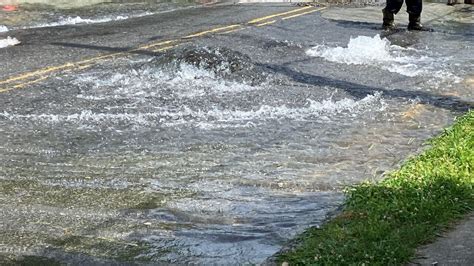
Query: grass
(383, 223)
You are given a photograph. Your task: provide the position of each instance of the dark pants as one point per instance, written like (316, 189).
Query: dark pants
(414, 7)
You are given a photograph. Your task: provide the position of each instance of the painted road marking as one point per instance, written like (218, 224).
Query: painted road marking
(84, 66)
(266, 23)
(70, 65)
(257, 20)
(144, 47)
(37, 72)
(211, 31)
(44, 73)
(234, 30)
(22, 85)
(162, 49)
(304, 13)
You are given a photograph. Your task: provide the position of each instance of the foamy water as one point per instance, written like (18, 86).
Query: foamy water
(375, 51)
(9, 41)
(187, 82)
(203, 118)
(3, 28)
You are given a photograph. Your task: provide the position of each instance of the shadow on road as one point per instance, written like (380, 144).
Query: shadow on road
(357, 24)
(107, 48)
(360, 91)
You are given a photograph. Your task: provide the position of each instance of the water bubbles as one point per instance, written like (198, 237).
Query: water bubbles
(360, 50)
(3, 28)
(205, 88)
(9, 41)
(207, 119)
(379, 52)
(221, 62)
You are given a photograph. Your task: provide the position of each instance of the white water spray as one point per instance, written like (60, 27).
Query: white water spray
(9, 41)
(375, 51)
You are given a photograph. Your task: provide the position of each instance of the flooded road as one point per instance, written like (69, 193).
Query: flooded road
(221, 149)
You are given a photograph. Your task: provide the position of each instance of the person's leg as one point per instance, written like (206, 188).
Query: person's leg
(414, 8)
(392, 7)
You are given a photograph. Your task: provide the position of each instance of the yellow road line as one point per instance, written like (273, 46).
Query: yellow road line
(37, 72)
(165, 48)
(154, 44)
(304, 13)
(5, 89)
(66, 66)
(21, 85)
(257, 20)
(234, 30)
(83, 67)
(266, 23)
(211, 31)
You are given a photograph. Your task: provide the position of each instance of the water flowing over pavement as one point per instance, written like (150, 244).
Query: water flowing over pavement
(220, 149)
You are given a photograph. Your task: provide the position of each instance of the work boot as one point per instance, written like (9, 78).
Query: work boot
(414, 22)
(388, 20)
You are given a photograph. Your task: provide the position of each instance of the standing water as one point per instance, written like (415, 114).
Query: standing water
(207, 155)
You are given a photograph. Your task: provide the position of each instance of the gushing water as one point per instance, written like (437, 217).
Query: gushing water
(9, 41)
(379, 52)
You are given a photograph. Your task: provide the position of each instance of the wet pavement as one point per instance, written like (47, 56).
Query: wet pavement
(211, 136)
(33, 14)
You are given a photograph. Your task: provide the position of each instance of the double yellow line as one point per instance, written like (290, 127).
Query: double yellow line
(259, 20)
(28, 78)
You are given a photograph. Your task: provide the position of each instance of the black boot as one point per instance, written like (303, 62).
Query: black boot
(414, 23)
(388, 20)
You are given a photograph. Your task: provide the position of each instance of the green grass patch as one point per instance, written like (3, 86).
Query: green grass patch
(383, 223)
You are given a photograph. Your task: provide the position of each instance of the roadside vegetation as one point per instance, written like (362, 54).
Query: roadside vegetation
(383, 223)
